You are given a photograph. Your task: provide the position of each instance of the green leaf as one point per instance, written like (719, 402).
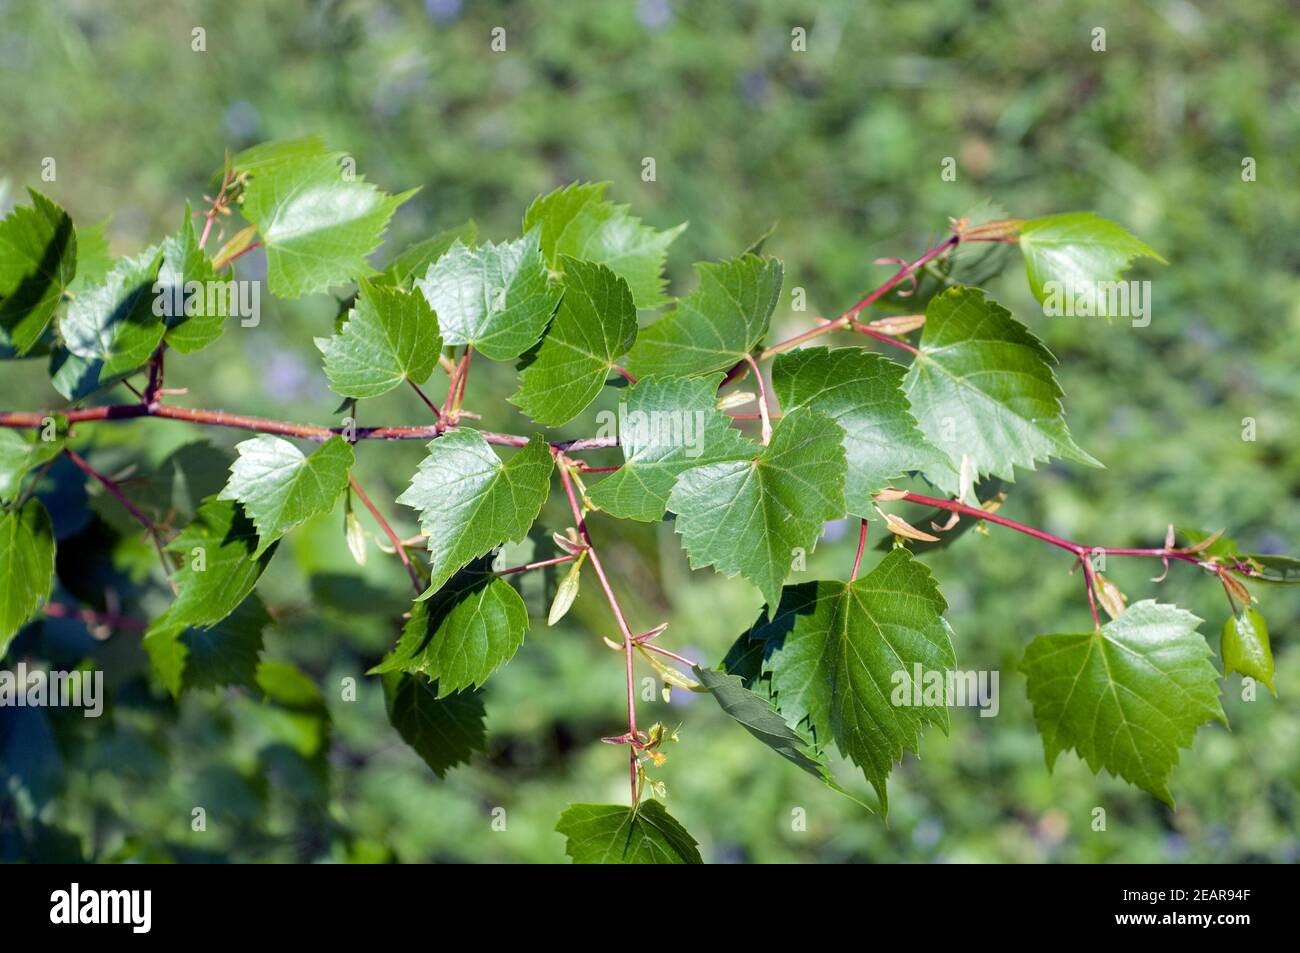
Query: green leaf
(578, 222)
(862, 392)
(317, 226)
(613, 834)
(414, 260)
(750, 516)
(1245, 647)
(281, 488)
(494, 297)
(257, 159)
(390, 336)
(94, 260)
(844, 656)
(26, 566)
(1125, 697)
(444, 732)
(19, 456)
(1077, 250)
(38, 260)
(113, 326)
(757, 716)
(666, 426)
(470, 502)
(982, 386)
(228, 653)
(716, 325)
(460, 636)
(191, 325)
(594, 326)
(217, 566)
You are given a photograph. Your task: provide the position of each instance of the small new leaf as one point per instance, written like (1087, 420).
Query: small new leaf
(566, 592)
(1245, 647)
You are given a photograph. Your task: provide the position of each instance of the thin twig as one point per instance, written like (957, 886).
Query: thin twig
(862, 543)
(130, 507)
(623, 627)
(388, 531)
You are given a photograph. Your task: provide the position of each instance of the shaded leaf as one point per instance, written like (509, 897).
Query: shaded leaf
(757, 716)
(192, 324)
(460, 636)
(228, 653)
(112, 326)
(844, 656)
(38, 260)
(217, 566)
(444, 732)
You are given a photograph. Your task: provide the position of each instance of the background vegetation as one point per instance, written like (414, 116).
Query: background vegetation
(841, 146)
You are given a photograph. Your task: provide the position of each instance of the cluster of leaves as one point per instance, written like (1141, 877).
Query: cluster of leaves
(569, 300)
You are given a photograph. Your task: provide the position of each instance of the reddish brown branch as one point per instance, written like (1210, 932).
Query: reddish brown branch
(388, 531)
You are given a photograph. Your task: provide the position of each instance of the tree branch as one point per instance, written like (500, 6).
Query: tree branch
(633, 737)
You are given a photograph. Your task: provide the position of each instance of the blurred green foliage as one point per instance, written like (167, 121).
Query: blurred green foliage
(840, 145)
